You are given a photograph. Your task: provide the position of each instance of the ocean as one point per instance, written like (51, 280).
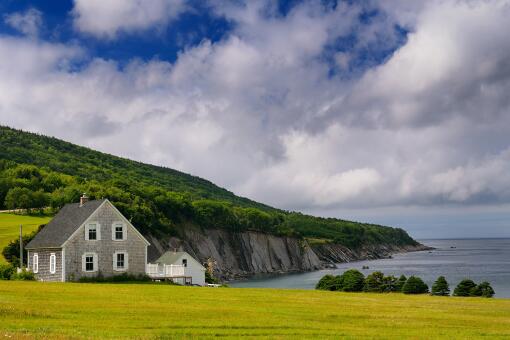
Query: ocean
(477, 259)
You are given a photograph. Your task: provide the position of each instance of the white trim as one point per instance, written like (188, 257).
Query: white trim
(128, 223)
(94, 262)
(63, 265)
(98, 231)
(124, 231)
(53, 263)
(35, 265)
(126, 261)
(82, 225)
(117, 210)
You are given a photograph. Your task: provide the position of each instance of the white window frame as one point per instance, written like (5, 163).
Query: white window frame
(35, 264)
(124, 230)
(94, 262)
(126, 261)
(53, 263)
(98, 231)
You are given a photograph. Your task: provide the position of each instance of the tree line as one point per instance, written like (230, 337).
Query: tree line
(353, 280)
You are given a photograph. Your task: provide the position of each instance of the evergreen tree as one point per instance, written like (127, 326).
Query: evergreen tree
(441, 287)
(464, 288)
(484, 289)
(415, 285)
(390, 284)
(352, 281)
(401, 282)
(374, 282)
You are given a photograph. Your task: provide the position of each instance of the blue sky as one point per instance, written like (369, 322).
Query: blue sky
(392, 112)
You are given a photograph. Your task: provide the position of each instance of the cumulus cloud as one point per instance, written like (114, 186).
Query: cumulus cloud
(106, 19)
(28, 22)
(262, 113)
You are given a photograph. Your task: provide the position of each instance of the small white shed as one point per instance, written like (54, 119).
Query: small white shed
(194, 272)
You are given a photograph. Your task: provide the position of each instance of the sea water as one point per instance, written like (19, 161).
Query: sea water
(477, 259)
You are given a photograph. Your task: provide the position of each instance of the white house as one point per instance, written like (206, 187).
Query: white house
(180, 266)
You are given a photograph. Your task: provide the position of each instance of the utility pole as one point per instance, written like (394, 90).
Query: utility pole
(21, 245)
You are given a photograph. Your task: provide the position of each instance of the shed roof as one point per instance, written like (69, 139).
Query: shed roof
(64, 224)
(171, 257)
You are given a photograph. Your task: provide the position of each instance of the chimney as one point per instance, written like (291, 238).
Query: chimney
(83, 199)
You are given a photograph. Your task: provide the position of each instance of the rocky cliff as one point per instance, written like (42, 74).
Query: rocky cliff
(243, 254)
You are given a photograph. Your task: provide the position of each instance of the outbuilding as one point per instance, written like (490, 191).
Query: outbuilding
(194, 271)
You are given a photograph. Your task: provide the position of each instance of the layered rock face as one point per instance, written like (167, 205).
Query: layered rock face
(244, 254)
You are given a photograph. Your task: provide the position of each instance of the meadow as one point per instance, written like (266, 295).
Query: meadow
(79, 310)
(9, 228)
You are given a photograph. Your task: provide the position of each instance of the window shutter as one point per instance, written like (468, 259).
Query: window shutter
(113, 231)
(114, 264)
(83, 262)
(98, 232)
(86, 232)
(126, 261)
(95, 263)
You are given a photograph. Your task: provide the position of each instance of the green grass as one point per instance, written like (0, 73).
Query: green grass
(63, 310)
(9, 228)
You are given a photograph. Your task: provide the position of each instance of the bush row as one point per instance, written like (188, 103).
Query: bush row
(353, 280)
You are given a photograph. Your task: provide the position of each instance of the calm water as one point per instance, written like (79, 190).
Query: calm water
(477, 259)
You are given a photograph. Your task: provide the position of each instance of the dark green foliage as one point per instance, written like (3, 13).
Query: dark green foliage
(401, 282)
(390, 284)
(11, 251)
(6, 271)
(23, 275)
(374, 282)
(38, 171)
(121, 278)
(484, 289)
(352, 281)
(330, 282)
(464, 288)
(440, 287)
(209, 278)
(415, 285)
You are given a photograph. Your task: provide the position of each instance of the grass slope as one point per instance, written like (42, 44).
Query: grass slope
(9, 228)
(60, 310)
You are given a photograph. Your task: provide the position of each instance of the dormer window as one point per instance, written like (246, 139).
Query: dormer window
(92, 231)
(118, 231)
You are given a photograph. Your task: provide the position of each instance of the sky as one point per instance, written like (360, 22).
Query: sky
(395, 112)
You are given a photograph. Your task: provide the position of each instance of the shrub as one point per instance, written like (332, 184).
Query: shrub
(401, 282)
(116, 278)
(330, 282)
(390, 284)
(441, 287)
(464, 288)
(484, 289)
(374, 282)
(23, 275)
(415, 285)
(352, 281)
(6, 271)
(209, 278)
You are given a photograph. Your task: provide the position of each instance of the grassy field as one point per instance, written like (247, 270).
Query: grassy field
(9, 227)
(63, 310)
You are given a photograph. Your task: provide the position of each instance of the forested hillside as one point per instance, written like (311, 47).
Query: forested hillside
(38, 171)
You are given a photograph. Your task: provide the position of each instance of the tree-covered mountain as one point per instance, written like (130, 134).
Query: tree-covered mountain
(38, 171)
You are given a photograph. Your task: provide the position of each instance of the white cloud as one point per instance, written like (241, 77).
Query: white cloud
(106, 19)
(28, 23)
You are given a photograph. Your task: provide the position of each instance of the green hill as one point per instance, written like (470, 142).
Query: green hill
(38, 171)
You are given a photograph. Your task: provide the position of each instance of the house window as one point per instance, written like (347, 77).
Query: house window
(92, 231)
(89, 262)
(120, 261)
(118, 231)
(35, 264)
(185, 262)
(53, 263)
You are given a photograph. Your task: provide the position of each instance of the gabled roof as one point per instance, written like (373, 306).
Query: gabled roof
(171, 257)
(64, 224)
